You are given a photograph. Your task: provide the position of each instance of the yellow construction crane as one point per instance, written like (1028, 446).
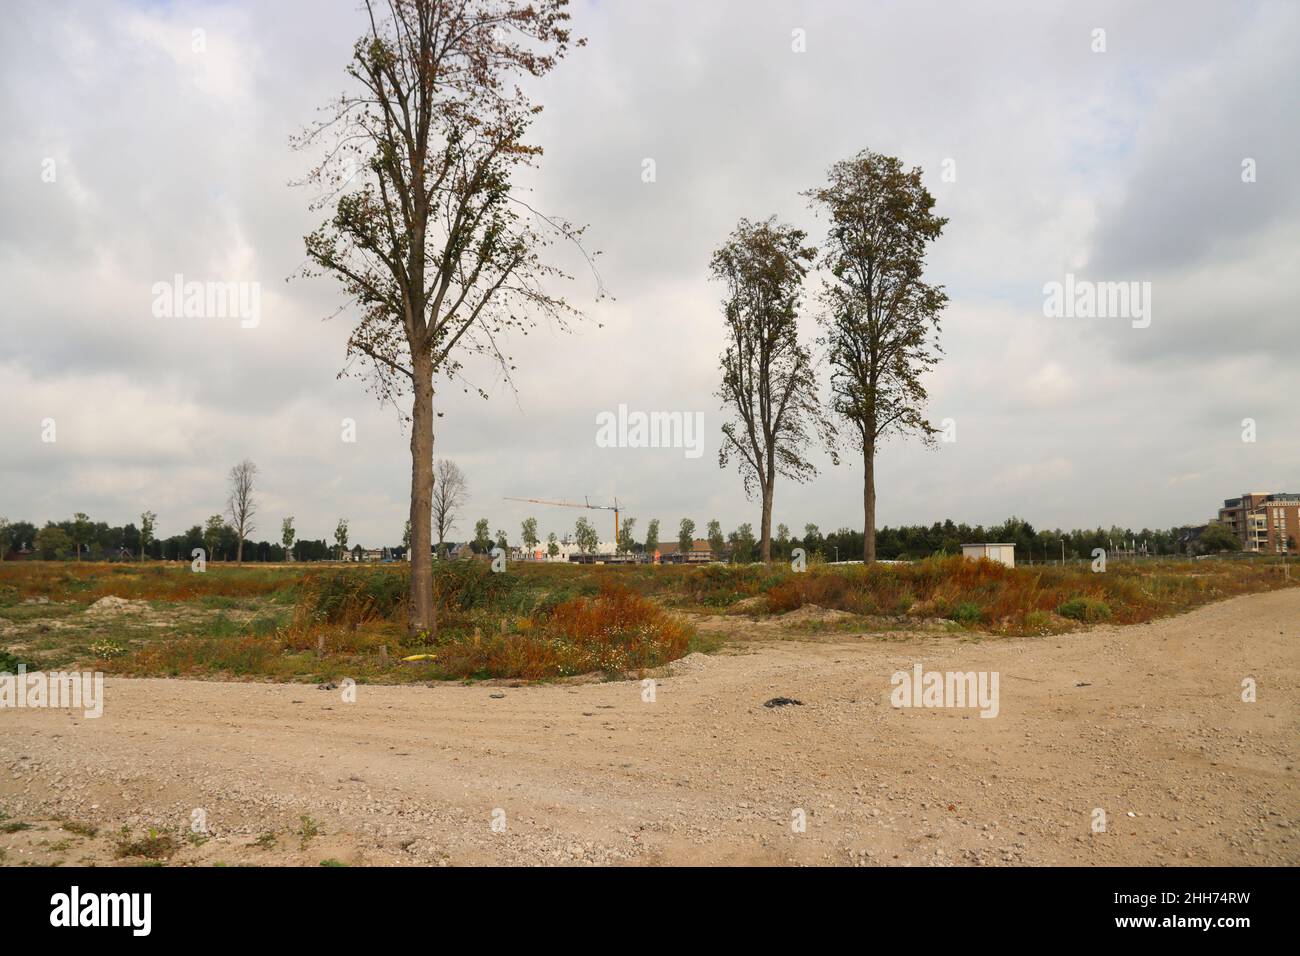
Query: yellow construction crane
(572, 504)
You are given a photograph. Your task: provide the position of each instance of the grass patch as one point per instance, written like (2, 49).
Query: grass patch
(152, 846)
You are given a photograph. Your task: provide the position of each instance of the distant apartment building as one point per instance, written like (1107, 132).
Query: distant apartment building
(1262, 521)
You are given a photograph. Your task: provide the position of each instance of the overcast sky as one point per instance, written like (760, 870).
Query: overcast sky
(1122, 165)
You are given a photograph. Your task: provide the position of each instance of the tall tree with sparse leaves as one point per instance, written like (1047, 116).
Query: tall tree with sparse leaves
(880, 318)
(767, 379)
(431, 246)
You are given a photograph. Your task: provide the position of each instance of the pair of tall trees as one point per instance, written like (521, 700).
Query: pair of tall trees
(877, 318)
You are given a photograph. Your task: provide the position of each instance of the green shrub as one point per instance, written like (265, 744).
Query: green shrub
(352, 597)
(9, 663)
(965, 612)
(1085, 609)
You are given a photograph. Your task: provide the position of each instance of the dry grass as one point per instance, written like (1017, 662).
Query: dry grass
(616, 632)
(1024, 600)
(538, 622)
(87, 581)
(351, 623)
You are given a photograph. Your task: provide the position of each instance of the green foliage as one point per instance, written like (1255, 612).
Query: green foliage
(528, 533)
(965, 612)
(627, 536)
(652, 536)
(482, 542)
(9, 662)
(53, 542)
(716, 541)
(1216, 538)
(586, 535)
(152, 846)
(1085, 609)
(743, 544)
(345, 596)
(686, 534)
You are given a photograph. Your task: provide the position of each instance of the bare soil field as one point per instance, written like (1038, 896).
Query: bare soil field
(1145, 722)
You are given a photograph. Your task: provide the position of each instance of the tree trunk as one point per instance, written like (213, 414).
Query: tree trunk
(869, 503)
(239, 553)
(420, 613)
(765, 545)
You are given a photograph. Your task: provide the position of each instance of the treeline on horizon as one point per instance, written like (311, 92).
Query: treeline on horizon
(98, 540)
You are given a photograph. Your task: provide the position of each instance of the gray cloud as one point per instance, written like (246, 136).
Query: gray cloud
(1116, 165)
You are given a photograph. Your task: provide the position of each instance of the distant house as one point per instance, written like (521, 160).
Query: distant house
(1188, 540)
(670, 552)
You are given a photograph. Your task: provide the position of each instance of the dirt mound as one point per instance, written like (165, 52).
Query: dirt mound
(116, 605)
(688, 664)
(815, 614)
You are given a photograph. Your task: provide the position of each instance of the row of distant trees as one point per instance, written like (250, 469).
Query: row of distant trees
(223, 537)
(905, 542)
(80, 536)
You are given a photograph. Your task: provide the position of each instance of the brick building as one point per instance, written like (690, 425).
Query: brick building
(1263, 522)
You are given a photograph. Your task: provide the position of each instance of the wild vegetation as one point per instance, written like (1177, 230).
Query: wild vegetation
(540, 621)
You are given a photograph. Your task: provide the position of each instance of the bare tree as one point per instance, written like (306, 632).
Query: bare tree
(240, 506)
(425, 236)
(878, 310)
(767, 379)
(449, 493)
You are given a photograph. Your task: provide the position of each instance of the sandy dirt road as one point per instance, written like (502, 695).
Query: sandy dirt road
(1146, 723)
